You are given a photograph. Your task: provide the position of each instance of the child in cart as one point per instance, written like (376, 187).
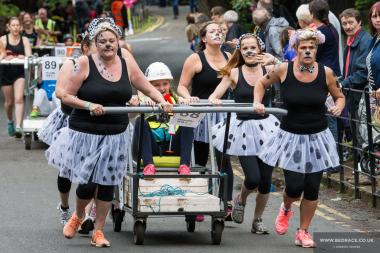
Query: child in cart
(44, 101)
(159, 137)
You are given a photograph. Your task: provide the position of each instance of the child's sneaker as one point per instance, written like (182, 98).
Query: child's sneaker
(98, 240)
(304, 239)
(11, 128)
(282, 220)
(72, 226)
(150, 169)
(184, 170)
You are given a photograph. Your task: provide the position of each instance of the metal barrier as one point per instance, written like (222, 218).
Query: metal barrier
(364, 148)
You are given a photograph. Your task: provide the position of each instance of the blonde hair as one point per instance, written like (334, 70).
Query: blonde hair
(303, 13)
(306, 34)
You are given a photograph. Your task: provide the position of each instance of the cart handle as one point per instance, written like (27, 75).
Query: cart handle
(184, 109)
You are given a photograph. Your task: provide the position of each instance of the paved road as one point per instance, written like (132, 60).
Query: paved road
(28, 192)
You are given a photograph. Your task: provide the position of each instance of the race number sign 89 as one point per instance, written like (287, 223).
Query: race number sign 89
(50, 68)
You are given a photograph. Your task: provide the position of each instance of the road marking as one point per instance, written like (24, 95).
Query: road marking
(332, 211)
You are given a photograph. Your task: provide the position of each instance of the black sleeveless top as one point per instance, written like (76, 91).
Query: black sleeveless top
(206, 81)
(243, 93)
(10, 73)
(96, 89)
(305, 103)
(15, 50)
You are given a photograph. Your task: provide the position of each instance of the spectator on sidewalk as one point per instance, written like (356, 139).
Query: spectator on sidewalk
(373, 58)
(28, 29)
(355, 70)
(175, 4)
(216, 13)
(191, 30)
(270, 28)
(116, 10)
(305, 20)
(289, 53)
(235, 30)
(193, 6)
(46, 28)
(82, 10)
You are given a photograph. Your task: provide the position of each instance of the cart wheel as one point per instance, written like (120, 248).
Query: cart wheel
(216, 232)
(138, 232)
(28, 141)
(190, 223)
(118, 216)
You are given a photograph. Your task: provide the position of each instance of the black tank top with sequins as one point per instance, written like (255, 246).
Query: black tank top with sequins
(96, 89)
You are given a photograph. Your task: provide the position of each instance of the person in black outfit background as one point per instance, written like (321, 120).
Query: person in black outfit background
(247, 131)
(200, 74)
(12, 78)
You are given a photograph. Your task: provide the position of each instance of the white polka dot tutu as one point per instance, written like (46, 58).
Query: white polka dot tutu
(55, 121)
(201, 131)
(245, 137)
(78, 156)
(307, 153)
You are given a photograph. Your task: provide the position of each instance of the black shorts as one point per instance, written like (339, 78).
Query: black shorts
(9, 74)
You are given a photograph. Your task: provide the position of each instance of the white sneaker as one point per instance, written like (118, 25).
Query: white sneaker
(64, 215)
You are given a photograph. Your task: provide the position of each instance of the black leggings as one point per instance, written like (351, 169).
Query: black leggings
(87, 191)
(296, 183)
(64, 185)
(257, 173)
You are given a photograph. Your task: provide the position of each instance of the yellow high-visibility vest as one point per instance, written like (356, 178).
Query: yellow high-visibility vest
(50, 27)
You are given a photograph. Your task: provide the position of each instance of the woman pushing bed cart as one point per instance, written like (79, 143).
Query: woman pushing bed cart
(172, 194)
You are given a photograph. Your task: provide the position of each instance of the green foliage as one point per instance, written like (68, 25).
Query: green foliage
(364, 4)
(8, 10)
(52, 3)
(240, 5)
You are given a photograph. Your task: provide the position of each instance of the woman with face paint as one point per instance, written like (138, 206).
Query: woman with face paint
(303, 146)
(57, 120)
(247, 131)
(92, 150)
(200, 74)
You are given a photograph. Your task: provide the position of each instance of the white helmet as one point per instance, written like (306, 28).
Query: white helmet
(158, 71)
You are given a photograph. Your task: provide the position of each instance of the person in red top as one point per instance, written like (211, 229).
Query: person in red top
(116, 8)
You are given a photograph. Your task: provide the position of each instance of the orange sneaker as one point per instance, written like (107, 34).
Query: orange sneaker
(98, 239)
(282, 220)
(304, 239)
(150, 169)
(184, 170)
(72, 226)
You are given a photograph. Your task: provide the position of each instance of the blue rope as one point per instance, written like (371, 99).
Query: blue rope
(166, 190)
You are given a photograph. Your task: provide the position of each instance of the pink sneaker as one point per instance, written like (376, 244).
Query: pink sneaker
(199, 218)
(184, 170)
(304, 239)
(150, 169)
(282, 220)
